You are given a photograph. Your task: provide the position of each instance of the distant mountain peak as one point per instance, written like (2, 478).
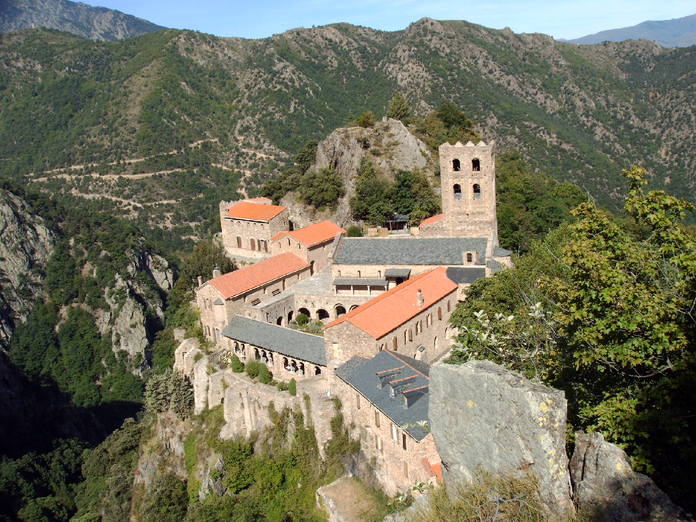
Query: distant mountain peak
(95, 23)
(678, 32)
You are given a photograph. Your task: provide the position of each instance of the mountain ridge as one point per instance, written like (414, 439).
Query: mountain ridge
(676, 32)
(581, 113)
(95, 23)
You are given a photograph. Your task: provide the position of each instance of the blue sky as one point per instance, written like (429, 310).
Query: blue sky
(261, 18)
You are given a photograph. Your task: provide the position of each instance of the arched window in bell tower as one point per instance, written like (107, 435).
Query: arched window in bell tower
(457, 191)
(456, 165)
(477, 191)
(476, 165)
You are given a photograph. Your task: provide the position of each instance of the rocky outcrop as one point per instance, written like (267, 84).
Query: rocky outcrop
(25, 245)
(245, 401)
(136, 306)
(607, 488)
(486, 417)
(389, 145)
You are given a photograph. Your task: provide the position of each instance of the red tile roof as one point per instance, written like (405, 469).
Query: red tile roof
(432, 219)
(388, 311)
(255, 211)
(313, 234)
(252, 276)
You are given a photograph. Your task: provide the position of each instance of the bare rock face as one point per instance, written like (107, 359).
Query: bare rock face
(389, 145)
(25, 245)
(486, 417)
(607, 489)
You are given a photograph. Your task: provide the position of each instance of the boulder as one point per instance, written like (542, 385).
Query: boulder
(607, 488)
(484, 417)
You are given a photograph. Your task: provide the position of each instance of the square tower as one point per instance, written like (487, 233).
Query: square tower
(467, 176)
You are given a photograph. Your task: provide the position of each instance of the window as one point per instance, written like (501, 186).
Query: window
(477, 191)
(394, 432)
(376, 418)
(395, 344)
(469, 257)
(476, 165)
(439, 313)
(276, 291)
(252, 244)
(457, 190)
(239, 242)
(255, 302)
(357, 401)
(456, 165)
(449, 306)
(403, 441)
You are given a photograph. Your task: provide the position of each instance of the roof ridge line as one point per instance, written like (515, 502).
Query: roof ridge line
(398, 357)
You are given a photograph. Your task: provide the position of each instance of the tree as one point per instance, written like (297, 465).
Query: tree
(372, 200)
(366, 119)
(399, 108)
(322, 188)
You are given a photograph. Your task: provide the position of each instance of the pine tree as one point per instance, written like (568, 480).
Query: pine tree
(399, 108)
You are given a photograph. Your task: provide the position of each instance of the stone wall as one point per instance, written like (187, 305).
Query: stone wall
(396, 468)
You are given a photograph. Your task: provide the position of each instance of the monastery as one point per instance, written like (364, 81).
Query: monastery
(383, 303)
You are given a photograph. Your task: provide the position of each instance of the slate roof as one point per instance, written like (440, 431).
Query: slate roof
(285, 341)
(465, 275)
(362, 375)
(360, 281)
(494, 266)
(382, 314)
(407, 250)
(254, 211)
(252, 276)
(397, 272)
(501, 252)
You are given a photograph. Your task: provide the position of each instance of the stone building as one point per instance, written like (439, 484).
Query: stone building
(287, 353)
(467, 178)
(312, 243)
(385, 303)
(386, 402)
(412, 319)
(248, 226)
(220, 298)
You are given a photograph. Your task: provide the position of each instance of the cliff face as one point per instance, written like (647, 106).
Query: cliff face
(25, 245)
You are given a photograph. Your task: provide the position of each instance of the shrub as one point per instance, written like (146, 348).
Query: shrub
(236, 365)
(355, 231)
(366, 119)
(302, 319)
(253, 368)
(282, 386)
(265, 376)
(292, 387)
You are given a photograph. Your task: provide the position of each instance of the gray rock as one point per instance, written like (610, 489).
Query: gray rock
(607, 488)
(25, 245)
(486, 417)
(389, 145)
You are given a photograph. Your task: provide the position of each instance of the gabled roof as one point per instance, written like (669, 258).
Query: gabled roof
(432, 219)
(254, 211)
(408, 251)
(375, 379)
(313, 234)
(292, 343)
(252, 276)
(388, 311)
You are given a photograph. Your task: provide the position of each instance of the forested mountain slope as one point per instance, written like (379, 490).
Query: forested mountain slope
(160, 127)
(96, 23)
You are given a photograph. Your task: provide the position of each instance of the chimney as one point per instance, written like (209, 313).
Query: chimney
(200, 281)
(421, 299)
(216, 272)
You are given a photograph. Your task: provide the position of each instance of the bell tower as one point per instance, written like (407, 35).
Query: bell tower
(467, 177)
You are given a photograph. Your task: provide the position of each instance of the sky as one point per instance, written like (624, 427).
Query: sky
(261, 18)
